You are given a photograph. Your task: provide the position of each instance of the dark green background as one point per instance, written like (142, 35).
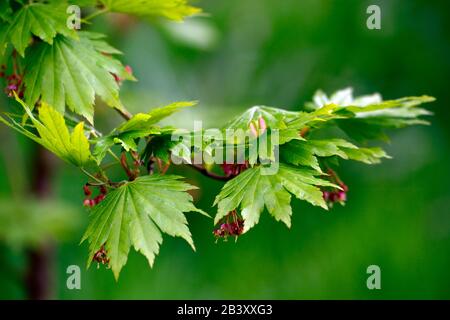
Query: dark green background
(278, 53)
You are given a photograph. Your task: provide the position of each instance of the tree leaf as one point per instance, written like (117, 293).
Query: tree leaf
(366, 155)
(171, 9)
(72, 72)
(275, 118)
(365, 118)
(139, 126)
(54, 135)
(39, 19)
(145, 121)
(135, 214)
(306, 153)
(252, 190)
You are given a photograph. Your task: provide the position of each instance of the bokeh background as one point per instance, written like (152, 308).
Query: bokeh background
(267, 52)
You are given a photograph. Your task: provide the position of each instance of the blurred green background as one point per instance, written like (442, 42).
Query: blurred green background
(254, 52)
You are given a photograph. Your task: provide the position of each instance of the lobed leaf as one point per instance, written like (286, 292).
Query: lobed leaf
(42, 20)
(170, 9)
(72, 72)
(135, 214)
(54, 135)
(252, 190)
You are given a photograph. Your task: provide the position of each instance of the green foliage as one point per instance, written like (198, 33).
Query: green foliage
(253, 189)
(307, 153)
(135, 214)
(39, 19)
(171, 9)
(275, 118)
(369, 116)
(53, 134)
(139, 126)
(63, 71)
(72, 72)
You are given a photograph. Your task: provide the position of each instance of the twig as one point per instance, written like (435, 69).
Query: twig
(127, 116)
(95, 14)
(209, 174)
(124, 113)
(91, 176)
(123, 162)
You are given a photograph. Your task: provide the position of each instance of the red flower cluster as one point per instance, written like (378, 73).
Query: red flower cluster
(101, 257)
(88, 202)
(14, 82)
(234, 228)
(231, 170)
(335, 196)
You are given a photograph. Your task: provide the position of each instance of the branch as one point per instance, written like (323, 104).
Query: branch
(209, 174)
(127, 116)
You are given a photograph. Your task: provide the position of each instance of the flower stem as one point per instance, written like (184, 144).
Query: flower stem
(91, 176)
(95, 14)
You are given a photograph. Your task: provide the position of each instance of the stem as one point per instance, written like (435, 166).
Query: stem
(127, 116)
(124, 113)
(123, 161)
(95, 14)
(91, 176)
(114, 155)
(209, 174)
(304, 131)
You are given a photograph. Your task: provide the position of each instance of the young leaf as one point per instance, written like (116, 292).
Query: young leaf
(145, 121)
(54, 135)
(365, 118)
(366, 155)
(139, 126)
(251, 191)
(170, 9)
(72, 72)
(274, 118)
(371, 121)
(306, 153)
(135, 214)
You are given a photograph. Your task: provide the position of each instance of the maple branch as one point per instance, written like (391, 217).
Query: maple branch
(209, 174)
(127, 116)
(124, 113)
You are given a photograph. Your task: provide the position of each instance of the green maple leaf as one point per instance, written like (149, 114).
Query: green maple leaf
(54, 135)
(139, 126)
(171, 9)
(275, 118)
(366, 118)
(135, 214)
(145, 121)
(252, 190)
(308, 152)
(371, 121)
(72, 73)
(39, 19)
